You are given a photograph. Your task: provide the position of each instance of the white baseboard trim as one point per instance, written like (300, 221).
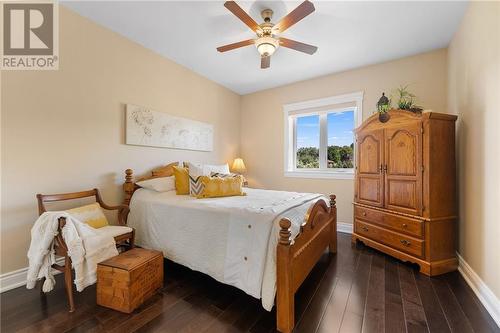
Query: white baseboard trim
(13, 279)
(345, 228)
(18, 277)
(489, 300)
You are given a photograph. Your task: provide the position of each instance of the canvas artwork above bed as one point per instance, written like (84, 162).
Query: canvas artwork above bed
(146, 127)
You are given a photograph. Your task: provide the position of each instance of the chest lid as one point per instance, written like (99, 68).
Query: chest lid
(131, 259)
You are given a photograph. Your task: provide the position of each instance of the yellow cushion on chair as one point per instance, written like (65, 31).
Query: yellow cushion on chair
(91, 214)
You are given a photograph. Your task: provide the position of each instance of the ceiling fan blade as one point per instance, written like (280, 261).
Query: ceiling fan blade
(265, 62)
(298, 46)
(295, 16)
(242, 15)
(233, 46)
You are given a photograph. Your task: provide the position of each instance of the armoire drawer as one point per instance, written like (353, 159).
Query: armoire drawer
(370, 215)
(393, 239)
(402, 224)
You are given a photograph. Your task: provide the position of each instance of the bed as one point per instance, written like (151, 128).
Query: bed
(264, 243)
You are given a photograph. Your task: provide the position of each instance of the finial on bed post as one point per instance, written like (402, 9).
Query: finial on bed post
(332, 200)
(285, 233)
(128, 186)
(333, 227)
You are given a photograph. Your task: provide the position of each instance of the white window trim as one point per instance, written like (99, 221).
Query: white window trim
(290, 141)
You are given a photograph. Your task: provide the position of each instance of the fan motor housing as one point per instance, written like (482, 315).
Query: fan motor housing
(267, 14)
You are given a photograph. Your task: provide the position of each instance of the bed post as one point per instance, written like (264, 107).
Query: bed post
(285, 306)
(333, 224)
(128, 186)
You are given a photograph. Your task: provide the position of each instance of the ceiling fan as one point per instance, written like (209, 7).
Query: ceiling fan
(267, 40)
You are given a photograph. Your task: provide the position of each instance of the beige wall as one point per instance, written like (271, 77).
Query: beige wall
(262, 117)
(474, 90)
(63, 130)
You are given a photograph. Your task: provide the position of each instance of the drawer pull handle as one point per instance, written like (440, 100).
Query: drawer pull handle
(364, 214)
(405, 225)
(405, 242)
(364, 228)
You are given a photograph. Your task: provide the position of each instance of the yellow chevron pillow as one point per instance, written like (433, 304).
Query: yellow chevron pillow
(214, 187)
(91, 214)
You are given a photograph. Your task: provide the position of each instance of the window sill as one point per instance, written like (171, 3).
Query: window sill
(320, 174)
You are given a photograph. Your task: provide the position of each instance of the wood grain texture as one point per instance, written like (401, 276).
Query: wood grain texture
(298, 46)
(296, 259)
(242, 15)
(127, 280)
(332, 299)
(407, 206)
(370, 159)
(294, 16)
(236, 45)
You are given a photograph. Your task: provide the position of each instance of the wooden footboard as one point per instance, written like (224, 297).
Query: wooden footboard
(296, 258)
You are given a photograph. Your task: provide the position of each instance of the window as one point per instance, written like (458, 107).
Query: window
(319, 139)
(307, 155)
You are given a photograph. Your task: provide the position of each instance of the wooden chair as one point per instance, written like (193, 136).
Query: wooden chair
(124, 236)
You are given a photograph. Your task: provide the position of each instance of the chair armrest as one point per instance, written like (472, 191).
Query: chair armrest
(123, 211)
(119, 207)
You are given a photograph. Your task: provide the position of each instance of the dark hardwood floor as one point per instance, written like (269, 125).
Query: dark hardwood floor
(357, 290)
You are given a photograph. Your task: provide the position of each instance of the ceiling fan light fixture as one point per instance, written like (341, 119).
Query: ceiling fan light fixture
(269, 34)
(266, 45)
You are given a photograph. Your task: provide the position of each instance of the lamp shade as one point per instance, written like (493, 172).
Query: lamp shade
(239, 166)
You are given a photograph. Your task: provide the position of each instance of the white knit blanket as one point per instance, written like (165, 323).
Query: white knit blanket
(86, 248)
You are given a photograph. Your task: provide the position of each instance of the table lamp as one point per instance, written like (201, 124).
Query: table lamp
(239, 167)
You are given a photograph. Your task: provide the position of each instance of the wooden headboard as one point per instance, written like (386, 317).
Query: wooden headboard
(130, 185)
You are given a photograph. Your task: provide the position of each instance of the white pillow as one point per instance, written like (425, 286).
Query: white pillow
(195, 170)
(221, 168)
(160, 184)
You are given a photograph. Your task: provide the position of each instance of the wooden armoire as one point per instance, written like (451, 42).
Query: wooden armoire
(405, 188)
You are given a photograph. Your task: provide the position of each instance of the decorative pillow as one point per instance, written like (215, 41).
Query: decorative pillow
(221, 168)
(181, 180)
(198, 170)
(160, 184)
(91, 214)
(165, 171)
(214, 187)
(223, 175)
(195, 173)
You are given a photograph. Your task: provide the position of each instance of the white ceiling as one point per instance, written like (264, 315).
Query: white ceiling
(348, 34)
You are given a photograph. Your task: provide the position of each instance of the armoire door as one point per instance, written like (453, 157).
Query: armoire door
(369, 161)
(403, 169)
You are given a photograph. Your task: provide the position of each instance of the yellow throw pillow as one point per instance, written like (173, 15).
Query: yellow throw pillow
(91, 214)
(181, 180)
(165, 171)
(214, 187)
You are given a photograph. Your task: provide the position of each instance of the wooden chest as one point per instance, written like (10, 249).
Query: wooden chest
(124, 282)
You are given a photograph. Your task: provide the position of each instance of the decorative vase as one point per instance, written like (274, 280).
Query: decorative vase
(384, 117)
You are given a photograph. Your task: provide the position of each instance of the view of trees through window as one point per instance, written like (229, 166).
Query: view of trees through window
(340, 140)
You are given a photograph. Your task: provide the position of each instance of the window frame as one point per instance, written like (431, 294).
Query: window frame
(292, 111)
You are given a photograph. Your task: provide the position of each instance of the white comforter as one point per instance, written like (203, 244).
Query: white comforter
(232, 239)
